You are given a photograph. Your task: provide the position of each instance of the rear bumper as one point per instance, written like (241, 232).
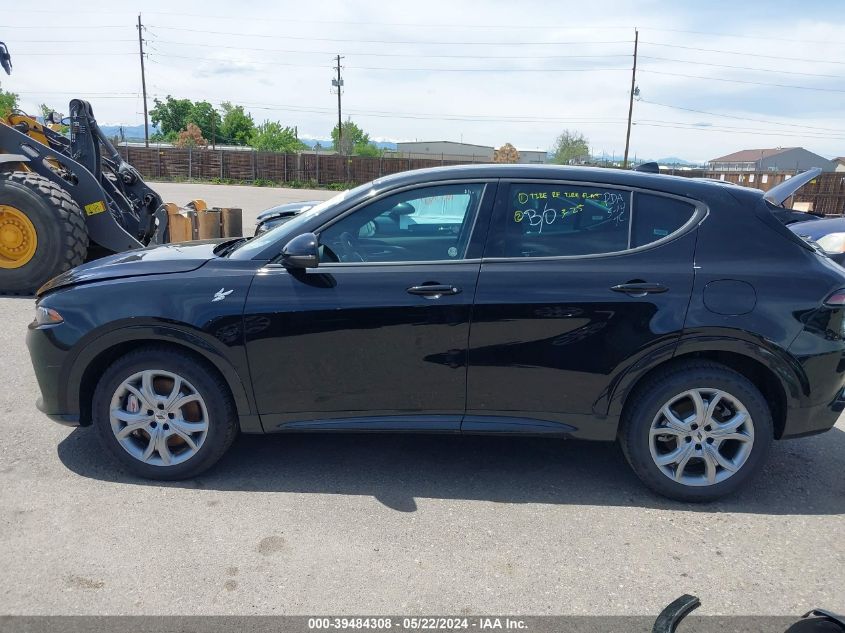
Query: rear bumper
(813, 420)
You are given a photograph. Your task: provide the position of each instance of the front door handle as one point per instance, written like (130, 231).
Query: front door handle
(433, 291)
(639, 289)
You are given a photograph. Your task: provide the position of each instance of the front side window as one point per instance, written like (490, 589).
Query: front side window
(424, 224)
(541, 220)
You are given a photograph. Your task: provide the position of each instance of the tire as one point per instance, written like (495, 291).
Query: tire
(704, 476)
(113, 409)
(61, 235)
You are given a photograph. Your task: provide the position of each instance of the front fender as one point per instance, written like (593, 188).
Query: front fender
(121, 333)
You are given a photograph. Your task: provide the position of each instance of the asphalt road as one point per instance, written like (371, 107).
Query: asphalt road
(395, 524)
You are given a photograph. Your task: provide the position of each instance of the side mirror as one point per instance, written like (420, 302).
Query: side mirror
(301, 252)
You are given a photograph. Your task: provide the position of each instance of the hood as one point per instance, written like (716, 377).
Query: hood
(292, 208)
(156, 260)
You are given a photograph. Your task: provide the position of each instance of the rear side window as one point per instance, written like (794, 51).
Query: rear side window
(655, 217)
(542, 220)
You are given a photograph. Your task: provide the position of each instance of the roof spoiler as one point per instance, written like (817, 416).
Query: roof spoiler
(776, 195)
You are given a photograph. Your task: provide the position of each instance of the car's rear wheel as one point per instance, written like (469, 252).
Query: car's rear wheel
(696, 431)
(163, 414)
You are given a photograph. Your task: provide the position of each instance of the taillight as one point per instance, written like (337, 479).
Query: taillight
(837, 299)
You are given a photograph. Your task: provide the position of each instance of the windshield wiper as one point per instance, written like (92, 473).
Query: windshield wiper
(227, 247)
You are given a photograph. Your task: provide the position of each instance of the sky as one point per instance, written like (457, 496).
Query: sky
(713, 77)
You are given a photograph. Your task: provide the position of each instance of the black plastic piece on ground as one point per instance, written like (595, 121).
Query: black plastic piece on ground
(672, 615)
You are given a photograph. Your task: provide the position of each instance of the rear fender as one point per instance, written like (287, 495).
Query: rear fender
(786, 369)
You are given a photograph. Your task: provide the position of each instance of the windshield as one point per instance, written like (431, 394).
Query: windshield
(252, 247)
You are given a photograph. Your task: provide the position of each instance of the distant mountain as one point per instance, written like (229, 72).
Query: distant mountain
(668, 160)
(327, 143)
(674, 160)
(130, 132)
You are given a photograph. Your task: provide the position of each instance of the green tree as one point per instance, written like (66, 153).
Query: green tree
(207, 119)
(353, 141)
(237, 126)
(370, 150)
(570, 146)
(171, 116)
(8, 102)
(271, 136)
(45, 111)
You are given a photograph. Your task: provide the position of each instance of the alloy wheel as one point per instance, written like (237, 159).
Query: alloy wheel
(701, 437)
(158, 417)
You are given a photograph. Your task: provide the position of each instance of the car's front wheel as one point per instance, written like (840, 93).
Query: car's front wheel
(163, 414)
(696, 431)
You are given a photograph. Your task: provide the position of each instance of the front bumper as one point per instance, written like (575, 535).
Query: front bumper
(48, 361)
(65, 419)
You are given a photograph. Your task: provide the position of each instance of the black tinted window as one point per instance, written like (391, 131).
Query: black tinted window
(655, 217)
(553, 220)
(424, 224)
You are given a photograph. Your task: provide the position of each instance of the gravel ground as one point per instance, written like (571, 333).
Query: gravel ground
(395, 524)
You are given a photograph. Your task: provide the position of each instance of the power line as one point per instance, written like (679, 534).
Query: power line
(71, 41)
(741, 118)
(152, 57)
(392, 68)
(422, 42)
(768, 38)
(765, 70)
(744, 54)
(64, 54)
(737, 130)
(65, 27)
(509, 27)
(744, 81)
(385, 54)
(419, 115)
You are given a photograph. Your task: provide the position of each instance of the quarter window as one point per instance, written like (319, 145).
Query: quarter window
(557, 220)
(655, 217)
(424, 224)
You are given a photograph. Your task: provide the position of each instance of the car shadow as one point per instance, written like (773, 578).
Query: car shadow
(802, 477)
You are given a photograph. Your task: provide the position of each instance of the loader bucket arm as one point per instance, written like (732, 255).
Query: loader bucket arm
(130, 196)
(5, 59)
(82, 186)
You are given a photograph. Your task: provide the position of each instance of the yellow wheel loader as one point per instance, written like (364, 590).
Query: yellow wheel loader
(64, 200)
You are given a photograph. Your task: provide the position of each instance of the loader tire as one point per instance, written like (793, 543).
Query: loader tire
(42, 232)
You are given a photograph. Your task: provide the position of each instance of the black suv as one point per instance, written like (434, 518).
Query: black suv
(676, 315)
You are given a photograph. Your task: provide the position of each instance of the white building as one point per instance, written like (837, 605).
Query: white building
(451, 150)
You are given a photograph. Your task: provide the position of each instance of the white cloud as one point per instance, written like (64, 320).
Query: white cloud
(396, 90)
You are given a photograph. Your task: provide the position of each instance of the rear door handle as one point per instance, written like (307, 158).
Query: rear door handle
(433, 291)
(639, 289)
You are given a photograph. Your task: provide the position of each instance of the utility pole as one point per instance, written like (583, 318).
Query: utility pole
(631, 101)
(213, 133)
(143, 83)
(338, 84)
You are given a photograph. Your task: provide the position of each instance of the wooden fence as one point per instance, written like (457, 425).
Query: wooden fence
(321, 169)
(826, 194)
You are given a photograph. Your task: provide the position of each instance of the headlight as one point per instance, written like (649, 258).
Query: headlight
(832, 243)
(47, 316)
